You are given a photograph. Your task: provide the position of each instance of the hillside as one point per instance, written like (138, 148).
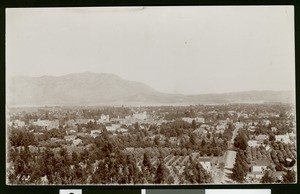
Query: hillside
(108, 89)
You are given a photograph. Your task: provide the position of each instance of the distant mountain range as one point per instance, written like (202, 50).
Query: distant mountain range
(90, 89)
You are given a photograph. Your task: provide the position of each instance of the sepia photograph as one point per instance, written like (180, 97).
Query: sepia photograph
(150, 95)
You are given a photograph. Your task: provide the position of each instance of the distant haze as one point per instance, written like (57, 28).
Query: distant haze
(180, 50)
(108, 89)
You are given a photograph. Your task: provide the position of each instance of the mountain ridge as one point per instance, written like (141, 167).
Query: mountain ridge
(89, 88)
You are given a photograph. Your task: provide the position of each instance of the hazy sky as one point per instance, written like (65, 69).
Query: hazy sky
(189, 50)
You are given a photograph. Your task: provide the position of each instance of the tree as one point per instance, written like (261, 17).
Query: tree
(203, 143)
(48, 165)
(237, 173)
(240, 168)
(161, 172)
(170, 180)
(136, 126)
(222, 166)
(74, 157)
(62, 167)
(220, 136)
(213, 143)
(133, 169)
(19, 170)
(167, 142)
(84, 155)
(195, 173)
(19, 137)
(289, 177)
(108, 149)
(100, 175)
(272, 137)
(241, 141)
(156, 140)
(208, 135)
(194, 124)
(268, 177)
(193, 139)
(146, 161)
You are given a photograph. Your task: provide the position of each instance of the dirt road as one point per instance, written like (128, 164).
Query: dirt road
(230, 157)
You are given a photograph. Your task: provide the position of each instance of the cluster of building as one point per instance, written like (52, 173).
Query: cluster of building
(204, 126)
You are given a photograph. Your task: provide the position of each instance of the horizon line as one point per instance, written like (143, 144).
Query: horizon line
(113, 74)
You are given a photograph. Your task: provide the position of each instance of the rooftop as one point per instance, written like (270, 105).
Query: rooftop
(204, 159)
(261, 162)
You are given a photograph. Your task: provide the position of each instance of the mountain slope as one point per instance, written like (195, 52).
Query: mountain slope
(108, 89)
(72, 89)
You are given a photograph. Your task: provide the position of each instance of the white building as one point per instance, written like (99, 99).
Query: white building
(206, 163)
(292, 136)
(140, 116)
(274, 129)
(283, 138)
(190, 120)
(266, 122)
(221, 128)
(244, 115)
(16, 123)
(200, 131)
(259, 166)
(84, 121)
(103, 119)
(231, 112)
(205, 126)
(77, 141)
(113, 127)
(261, 138)
(47, 123)
(252, 128)
(19, 123)
(70, 123)
(95, 133)
(122, 130)
(253, 143)
(70, 137)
